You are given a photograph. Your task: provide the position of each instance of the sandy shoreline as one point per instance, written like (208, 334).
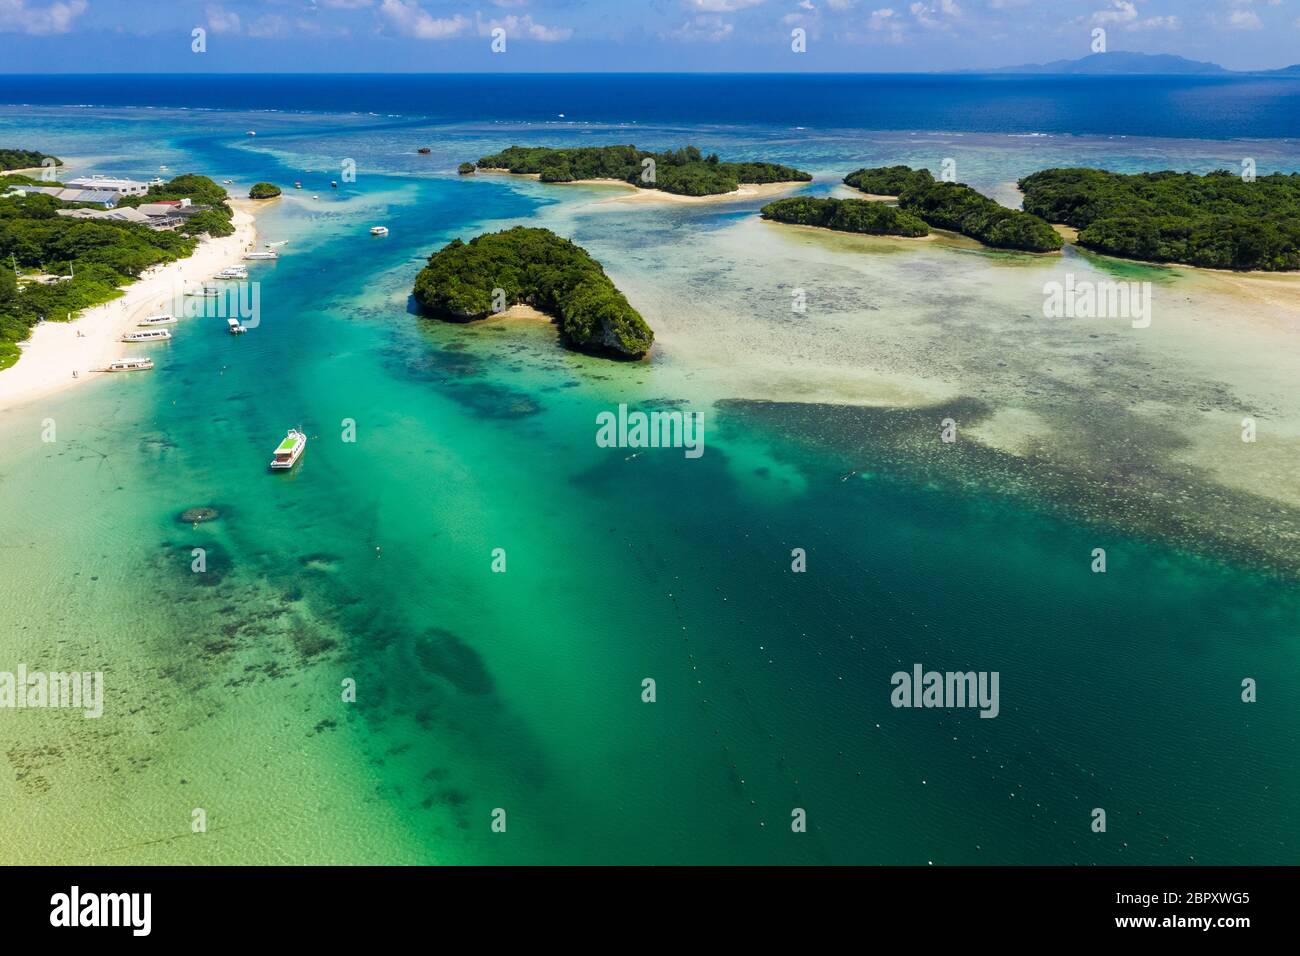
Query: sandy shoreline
(804, 227)
(637, 195)
(56, 350)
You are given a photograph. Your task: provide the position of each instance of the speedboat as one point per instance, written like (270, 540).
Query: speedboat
(233, 326)
(379, 230)
(289, 450)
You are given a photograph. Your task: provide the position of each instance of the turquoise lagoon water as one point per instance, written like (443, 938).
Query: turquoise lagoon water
(522, 691)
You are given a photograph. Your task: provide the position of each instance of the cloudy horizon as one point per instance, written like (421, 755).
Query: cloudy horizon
(74, 36)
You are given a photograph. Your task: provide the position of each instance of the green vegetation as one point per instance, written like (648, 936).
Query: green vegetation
(263, 191)
(846, 215)
(25, 159)
(957, 207)
(684, 171)
(888, 180)
(465, 168)
(538, 268)
(66, 265)
(1217, 220)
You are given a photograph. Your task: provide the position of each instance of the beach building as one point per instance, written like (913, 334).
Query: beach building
(68, 194)
(156, 215)
(109, 184)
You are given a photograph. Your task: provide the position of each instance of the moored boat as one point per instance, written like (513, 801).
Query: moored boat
(379, 230)
(206, 292)
(128, 365)
(232, 272)
(234, 327)
(147, 335)
(257, 256)
(164, 319)
(289, 450)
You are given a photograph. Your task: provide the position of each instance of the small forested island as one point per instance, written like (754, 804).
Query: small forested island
(466, 168)
(533, 267)
(65, 264)
(1218, 220)
(846, 215)
(684, 172)
(26, 159)
(957, 207)
(263, 191)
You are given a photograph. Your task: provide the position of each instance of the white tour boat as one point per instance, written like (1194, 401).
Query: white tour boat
(206, 292)
(379, 230)
(233, 272)
(158, 320)
(289, 450)
(147, 335)
(129, 365)
(257, 256)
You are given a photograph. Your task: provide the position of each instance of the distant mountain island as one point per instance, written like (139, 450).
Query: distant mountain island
(1121, 63)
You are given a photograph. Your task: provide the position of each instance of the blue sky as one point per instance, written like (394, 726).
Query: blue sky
(598, 35)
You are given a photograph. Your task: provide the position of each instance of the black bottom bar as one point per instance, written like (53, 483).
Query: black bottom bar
(302, 905)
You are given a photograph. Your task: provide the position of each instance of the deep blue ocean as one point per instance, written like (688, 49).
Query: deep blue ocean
(1178, 107)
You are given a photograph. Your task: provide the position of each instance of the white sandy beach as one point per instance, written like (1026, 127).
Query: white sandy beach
(638, 196)
(57, 350)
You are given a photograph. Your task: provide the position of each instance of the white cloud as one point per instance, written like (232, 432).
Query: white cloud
(524, 26)
(887, 21)
(708, 28)
(17, 17)
(1244, 20)
(271, 25)
(936, 15)
(721, 6)
(1170, 22)
(411, 20)
(1121, 11)
(221, 20)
